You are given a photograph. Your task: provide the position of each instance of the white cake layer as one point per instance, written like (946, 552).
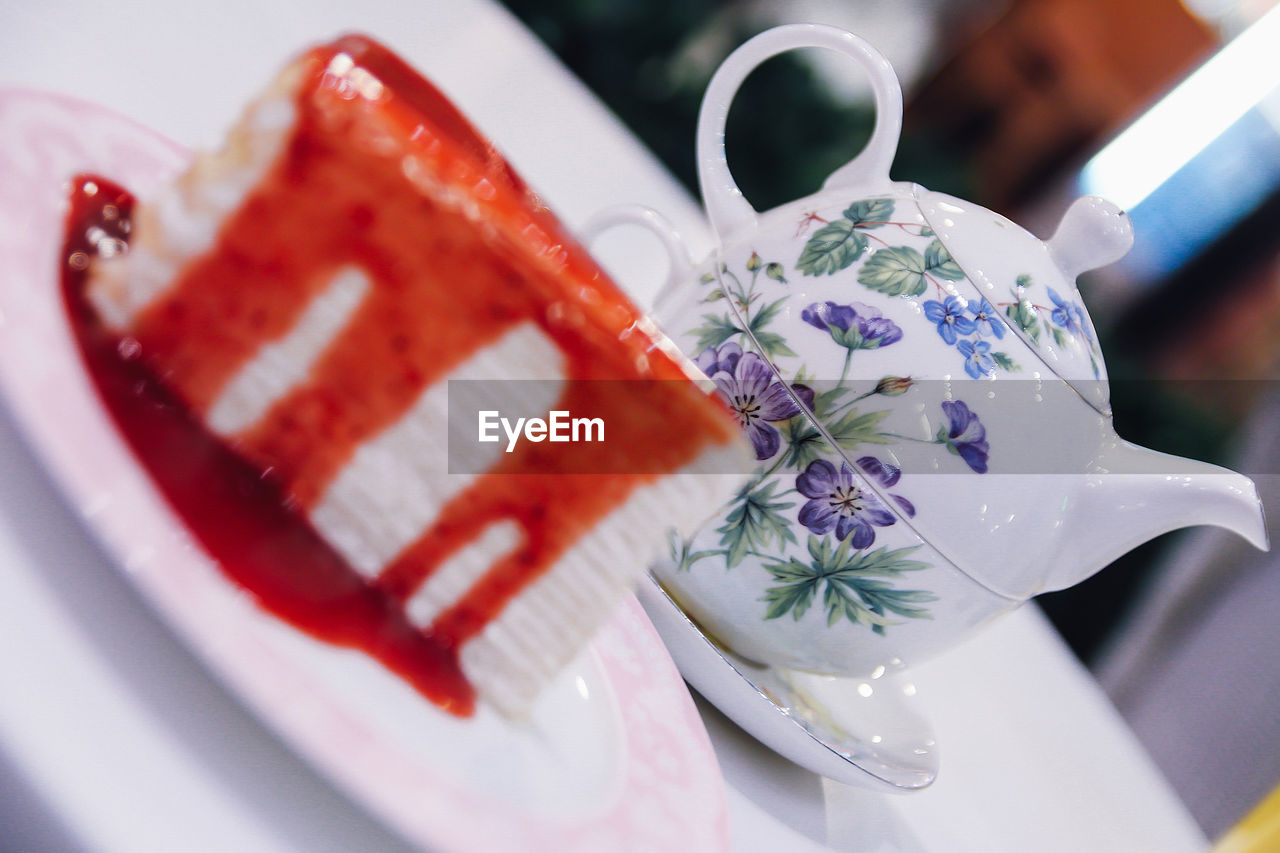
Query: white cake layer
(541, 630)
(450, 581)
(397, 481)
(183, 221)
(279, 366)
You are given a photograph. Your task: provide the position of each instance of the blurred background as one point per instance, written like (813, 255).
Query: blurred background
(1171, 108)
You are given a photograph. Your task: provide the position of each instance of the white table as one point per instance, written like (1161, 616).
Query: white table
(113, 737)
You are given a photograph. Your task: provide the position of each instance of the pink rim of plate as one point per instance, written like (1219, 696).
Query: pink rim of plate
(670, 794)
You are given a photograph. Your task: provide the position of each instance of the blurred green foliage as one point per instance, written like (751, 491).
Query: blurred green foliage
(650, 62)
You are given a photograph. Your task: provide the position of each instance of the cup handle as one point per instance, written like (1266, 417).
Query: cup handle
(680, 266)
(729, 212)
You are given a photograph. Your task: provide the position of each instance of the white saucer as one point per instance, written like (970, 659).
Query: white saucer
(863, 732)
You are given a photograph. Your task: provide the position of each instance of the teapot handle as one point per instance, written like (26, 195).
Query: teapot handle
(729, 212)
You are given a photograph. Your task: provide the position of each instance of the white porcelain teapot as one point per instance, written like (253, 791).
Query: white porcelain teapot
(927, 401)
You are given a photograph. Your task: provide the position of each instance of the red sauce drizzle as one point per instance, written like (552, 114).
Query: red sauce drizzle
(240, 517)
(442, 288)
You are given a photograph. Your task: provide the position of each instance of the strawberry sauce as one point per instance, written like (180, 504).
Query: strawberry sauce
(241, 518)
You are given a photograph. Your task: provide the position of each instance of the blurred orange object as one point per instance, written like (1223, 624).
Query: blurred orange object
(1048, 80)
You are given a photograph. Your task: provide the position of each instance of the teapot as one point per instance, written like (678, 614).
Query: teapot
(926, 397)
(927, 402)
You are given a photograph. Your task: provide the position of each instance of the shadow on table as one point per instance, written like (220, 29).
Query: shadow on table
(833, 815)
(1195, 669)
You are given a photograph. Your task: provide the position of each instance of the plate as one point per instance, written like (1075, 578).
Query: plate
(613, 756)
(863, 732)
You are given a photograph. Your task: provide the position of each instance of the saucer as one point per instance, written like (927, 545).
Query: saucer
(864, 732)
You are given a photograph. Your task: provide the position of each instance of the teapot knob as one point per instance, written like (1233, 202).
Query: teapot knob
(1093, 233)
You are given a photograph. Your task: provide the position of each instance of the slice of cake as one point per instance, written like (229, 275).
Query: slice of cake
(308, 294)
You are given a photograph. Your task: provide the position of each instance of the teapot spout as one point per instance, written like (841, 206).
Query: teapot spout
(1137, 494)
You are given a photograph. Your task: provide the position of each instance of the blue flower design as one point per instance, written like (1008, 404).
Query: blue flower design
(853, 326)
(838, 501)
(747, 383)
(1068, 315)
(949, 316)
(978, 361)
(965, 435)
(986, 319)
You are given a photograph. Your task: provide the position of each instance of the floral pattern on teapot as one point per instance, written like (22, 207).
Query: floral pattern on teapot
(803, 486)
(911, 262)
(1060, 320)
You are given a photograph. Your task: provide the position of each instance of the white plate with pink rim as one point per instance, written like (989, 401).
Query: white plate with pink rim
(614, 755)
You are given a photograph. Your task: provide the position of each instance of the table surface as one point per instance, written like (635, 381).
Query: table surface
(113, 737)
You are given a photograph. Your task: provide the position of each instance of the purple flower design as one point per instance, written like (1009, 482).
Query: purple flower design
(949, 316)
(978, 361)
(986, 319)
(1068, 315)
(712, 361)
(805, 393)
(965, 435)
(853, 326)
(838, 500)
(749, 386)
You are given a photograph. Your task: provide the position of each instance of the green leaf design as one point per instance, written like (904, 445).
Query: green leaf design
(804, 443)
(1023, 315)
(714, 295)
(795, 593)
(765, 315)
(854, 585)
(938, 262)
(895, 271)
(857, 428)
(771, 343)
(827, 401)
(870, 602)
(716, 330)
(842, 601)
(1004, 361)
(1060, 337)
(682, 553)
(848, 338)
(871, 213)
(754, 521)
(774, 344)
(832, 248)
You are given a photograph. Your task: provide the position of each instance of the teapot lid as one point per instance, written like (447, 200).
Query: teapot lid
(1032, 282)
